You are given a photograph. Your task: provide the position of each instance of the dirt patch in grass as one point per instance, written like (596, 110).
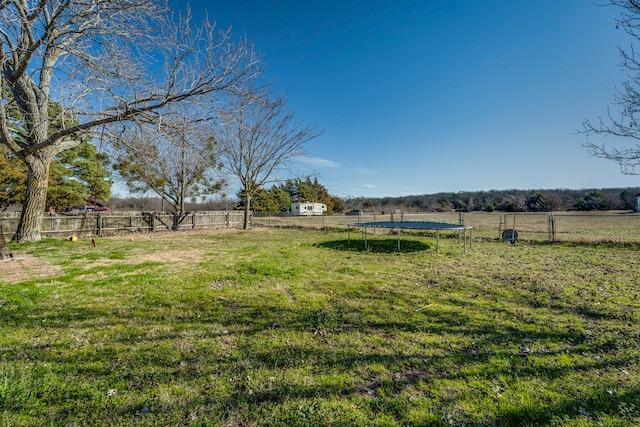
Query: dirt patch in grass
(176, 235)
(169, 256)
(26, 267)
(163, 248)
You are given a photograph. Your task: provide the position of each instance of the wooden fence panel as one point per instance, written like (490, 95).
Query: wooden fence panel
(62, 225)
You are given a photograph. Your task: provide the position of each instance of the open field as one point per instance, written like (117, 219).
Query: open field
(301, 327)
(577, 227)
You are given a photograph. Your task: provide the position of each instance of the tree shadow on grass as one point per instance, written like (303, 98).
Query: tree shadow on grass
(376, 245)
(141, 349)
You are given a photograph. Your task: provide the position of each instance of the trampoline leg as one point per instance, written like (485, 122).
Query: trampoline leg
(398, 240)
(437, 241)
(364, 233)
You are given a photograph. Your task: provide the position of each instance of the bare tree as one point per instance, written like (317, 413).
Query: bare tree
(622, 123)
(177, 161)
(104, 62)
(257, 135)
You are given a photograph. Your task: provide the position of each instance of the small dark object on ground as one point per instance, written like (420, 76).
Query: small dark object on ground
(510, 236)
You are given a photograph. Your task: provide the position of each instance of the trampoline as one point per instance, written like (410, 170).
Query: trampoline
(414, 225)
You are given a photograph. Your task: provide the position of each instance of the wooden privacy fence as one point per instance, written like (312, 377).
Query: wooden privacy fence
(99, 224)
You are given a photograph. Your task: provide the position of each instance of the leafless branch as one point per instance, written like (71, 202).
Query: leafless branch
(104, 62)
(622, 122)
(257, 135)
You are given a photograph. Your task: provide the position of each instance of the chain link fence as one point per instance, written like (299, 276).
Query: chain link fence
(597, 227)
(620, 228)
(576, 227)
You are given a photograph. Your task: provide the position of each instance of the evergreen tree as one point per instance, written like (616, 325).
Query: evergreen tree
(273, 200)
(309, 191)
(13, 179)
(78, 176)
(628, 199)
(74, 175)
(535, 202)
(593, 200)
(72, 178)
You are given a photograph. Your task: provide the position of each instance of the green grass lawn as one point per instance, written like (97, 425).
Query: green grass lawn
(294, 327)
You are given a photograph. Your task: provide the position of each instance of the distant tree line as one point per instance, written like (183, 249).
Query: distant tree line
(504, 201)
(279, 197)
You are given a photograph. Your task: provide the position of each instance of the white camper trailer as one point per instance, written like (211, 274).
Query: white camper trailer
(308, 208)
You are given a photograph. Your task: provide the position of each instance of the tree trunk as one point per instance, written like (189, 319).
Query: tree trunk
(35, 202)
(247, 210)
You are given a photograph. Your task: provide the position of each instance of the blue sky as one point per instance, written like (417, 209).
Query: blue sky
(421, 97)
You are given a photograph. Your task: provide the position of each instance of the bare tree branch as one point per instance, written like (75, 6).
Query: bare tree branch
(177, 160)
(257, 135)
(622, 122)
(105, 62)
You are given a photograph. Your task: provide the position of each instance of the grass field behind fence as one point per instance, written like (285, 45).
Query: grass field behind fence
(578, 227)
(303, 328)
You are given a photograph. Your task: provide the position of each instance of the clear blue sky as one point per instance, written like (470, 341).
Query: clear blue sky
(420, 97)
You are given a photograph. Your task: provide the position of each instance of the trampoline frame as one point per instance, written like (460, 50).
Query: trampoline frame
(413, 225)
